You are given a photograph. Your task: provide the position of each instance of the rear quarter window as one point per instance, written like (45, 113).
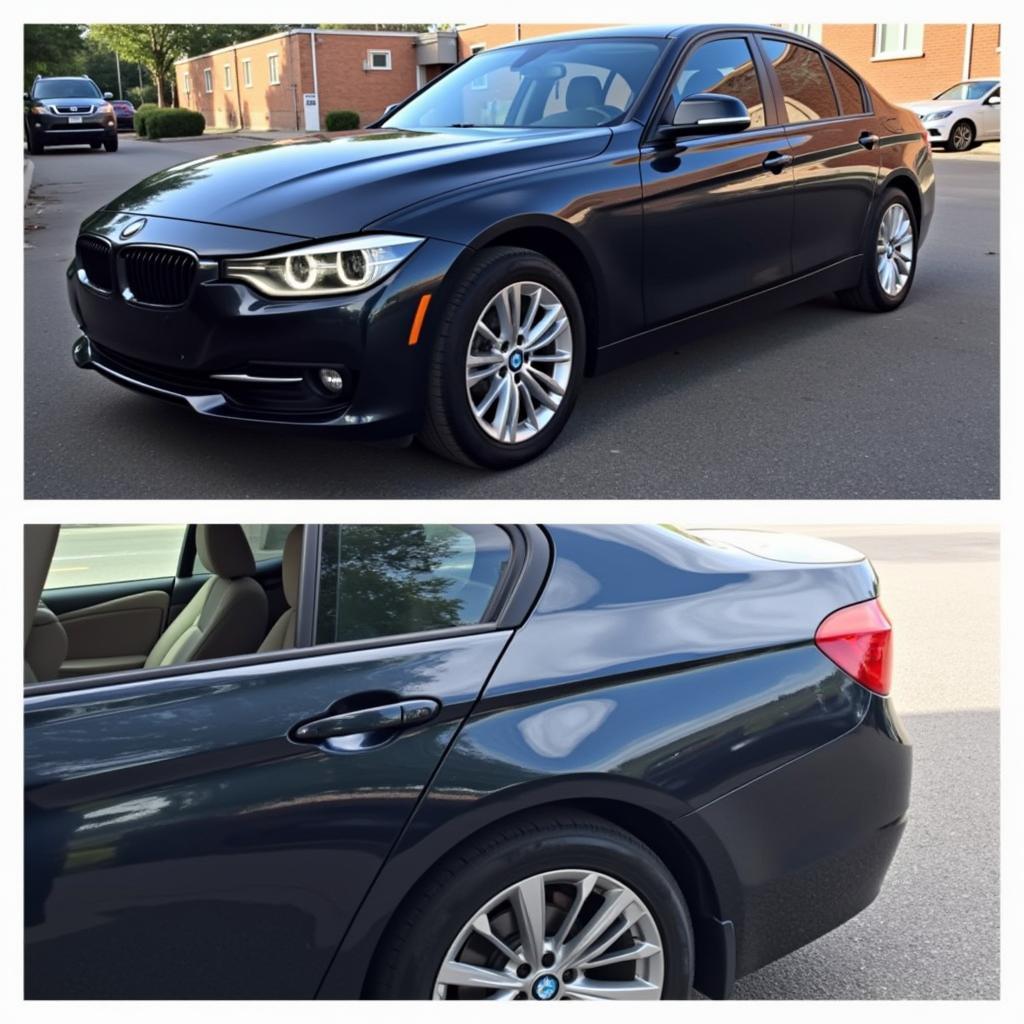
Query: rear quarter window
(851, 98)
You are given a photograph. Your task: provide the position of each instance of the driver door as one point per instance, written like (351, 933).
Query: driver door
(718, 209)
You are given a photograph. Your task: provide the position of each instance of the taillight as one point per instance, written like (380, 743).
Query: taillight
(858, 639)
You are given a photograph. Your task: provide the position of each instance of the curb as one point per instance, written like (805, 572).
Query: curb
(30, 169)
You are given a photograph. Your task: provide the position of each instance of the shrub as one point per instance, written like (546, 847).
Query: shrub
(173, 122)
(141, 113)
(342, 120)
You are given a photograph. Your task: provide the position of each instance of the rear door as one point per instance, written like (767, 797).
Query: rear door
(184, 840)
(718, 209)
(834, 140)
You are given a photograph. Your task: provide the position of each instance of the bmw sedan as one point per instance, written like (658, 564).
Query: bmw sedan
(542, 212)
(447, 762)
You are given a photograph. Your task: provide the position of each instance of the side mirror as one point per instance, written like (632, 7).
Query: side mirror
(26, 95)
(993, 101)
(707, 114)
(389, 108)
(108, 95)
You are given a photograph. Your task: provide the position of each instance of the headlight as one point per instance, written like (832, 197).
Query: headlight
(107, 108)
(330, 268)
(937, 115)
(37, 108)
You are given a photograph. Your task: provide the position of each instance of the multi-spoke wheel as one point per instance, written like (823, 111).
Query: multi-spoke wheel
(569, 934)
(961, 137)
(507, 361)
(890, 256)
(894, 249)
(554, 904)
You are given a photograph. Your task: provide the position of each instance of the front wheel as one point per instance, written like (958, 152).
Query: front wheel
(961, 137)
(35, 144)
(889, 259)
(110, 145)
(555, 905)
(507, 361)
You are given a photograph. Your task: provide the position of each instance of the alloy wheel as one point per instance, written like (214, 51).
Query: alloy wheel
(566, 934)
(962, 137)
(519, 362)
(895, 250)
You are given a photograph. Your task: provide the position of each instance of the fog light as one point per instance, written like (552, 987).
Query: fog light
(332, 379)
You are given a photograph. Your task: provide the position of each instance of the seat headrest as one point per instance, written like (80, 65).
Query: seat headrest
(584, 91)
(224, 550)
(290, 559)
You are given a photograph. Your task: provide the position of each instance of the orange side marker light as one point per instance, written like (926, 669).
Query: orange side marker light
(417, 320)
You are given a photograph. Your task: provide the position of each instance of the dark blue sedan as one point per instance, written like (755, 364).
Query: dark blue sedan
(447, 762)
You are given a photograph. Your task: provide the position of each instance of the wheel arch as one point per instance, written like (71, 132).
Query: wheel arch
(905, 182)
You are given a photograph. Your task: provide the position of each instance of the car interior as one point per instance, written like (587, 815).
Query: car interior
(220, 602)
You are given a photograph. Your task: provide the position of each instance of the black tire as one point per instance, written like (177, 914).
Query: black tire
(450, 428)
(110, 145)
(420, 934)
(868, 295)
(95, 145)
(35, 145)
(963, 140)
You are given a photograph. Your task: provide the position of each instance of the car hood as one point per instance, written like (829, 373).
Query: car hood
(324, 187)
(927, 106)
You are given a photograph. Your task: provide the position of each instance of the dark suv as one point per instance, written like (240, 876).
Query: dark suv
(67, 112)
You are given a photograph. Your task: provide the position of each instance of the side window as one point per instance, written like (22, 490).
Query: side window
(805, 86)
(721, 66)
(265, 539)
(851, 99)
(89, 555)
(379, 581)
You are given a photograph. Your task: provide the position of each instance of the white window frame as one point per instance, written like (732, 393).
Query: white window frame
(902, 53)
(208, 79)
(370, 54)
(809, 30)
(187, 82)
(247, 72)
(228, 84)
(274, 69)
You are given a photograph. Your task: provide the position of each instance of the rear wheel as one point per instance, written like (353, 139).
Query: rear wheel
(890, 257)
(961, 137)
(559, 905)
(507, 361)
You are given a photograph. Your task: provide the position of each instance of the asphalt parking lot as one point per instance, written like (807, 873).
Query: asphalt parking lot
(933, 932)
(816, 402)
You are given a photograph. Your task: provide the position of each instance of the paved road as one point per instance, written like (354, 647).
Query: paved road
(816, 402)
(933, 933)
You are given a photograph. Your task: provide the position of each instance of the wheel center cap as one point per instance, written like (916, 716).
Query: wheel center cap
(545, 987)
(515, 361)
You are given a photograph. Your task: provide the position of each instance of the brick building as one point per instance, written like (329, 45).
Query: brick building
(290, 80)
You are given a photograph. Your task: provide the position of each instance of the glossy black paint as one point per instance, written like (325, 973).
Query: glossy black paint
(178, 843)
(663, 242)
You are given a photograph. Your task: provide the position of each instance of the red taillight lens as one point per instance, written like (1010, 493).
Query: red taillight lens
(858, 639)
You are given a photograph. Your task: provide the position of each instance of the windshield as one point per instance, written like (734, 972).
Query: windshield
(967, 91)
(574, 83)
(60, 88)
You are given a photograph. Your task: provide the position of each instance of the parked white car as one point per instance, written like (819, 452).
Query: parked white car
(960, 116)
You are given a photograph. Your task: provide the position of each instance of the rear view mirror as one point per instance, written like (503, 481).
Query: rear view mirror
(707, 114)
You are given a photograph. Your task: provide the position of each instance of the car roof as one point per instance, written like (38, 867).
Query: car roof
(659, 31)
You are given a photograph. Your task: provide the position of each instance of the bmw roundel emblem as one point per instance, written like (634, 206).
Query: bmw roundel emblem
(516, 361)
(545, 987)
(134, 228)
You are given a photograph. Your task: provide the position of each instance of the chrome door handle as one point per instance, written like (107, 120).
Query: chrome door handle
(389, 716)
(776, 162)
(868, 140)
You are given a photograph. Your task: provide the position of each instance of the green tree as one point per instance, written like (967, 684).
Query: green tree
(53, 50)
(155, 47)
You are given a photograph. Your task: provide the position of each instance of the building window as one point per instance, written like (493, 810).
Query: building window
(378, 60)
(275, 77)
(247, 73)
(227, 77)
(208, 79)
(481, 82)
(188, 84)
(898, 39)
(807, 30)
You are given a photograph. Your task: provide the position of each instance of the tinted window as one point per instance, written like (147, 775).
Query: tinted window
(967, 91)
(64, 88)
(851, 99)
(575, 83)
(88, 555)
(378, 581)
(805, 86)
(722, 66)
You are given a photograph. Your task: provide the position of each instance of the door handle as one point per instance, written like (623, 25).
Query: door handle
(868, 140)
(775, 162)
(390, 716)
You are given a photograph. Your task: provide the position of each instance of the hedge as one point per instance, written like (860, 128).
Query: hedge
(141, 113)
(342, 120)
(173, 122)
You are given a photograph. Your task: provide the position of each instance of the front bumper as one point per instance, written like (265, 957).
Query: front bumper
(229, 353)
(939, 131)
(58, 130)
